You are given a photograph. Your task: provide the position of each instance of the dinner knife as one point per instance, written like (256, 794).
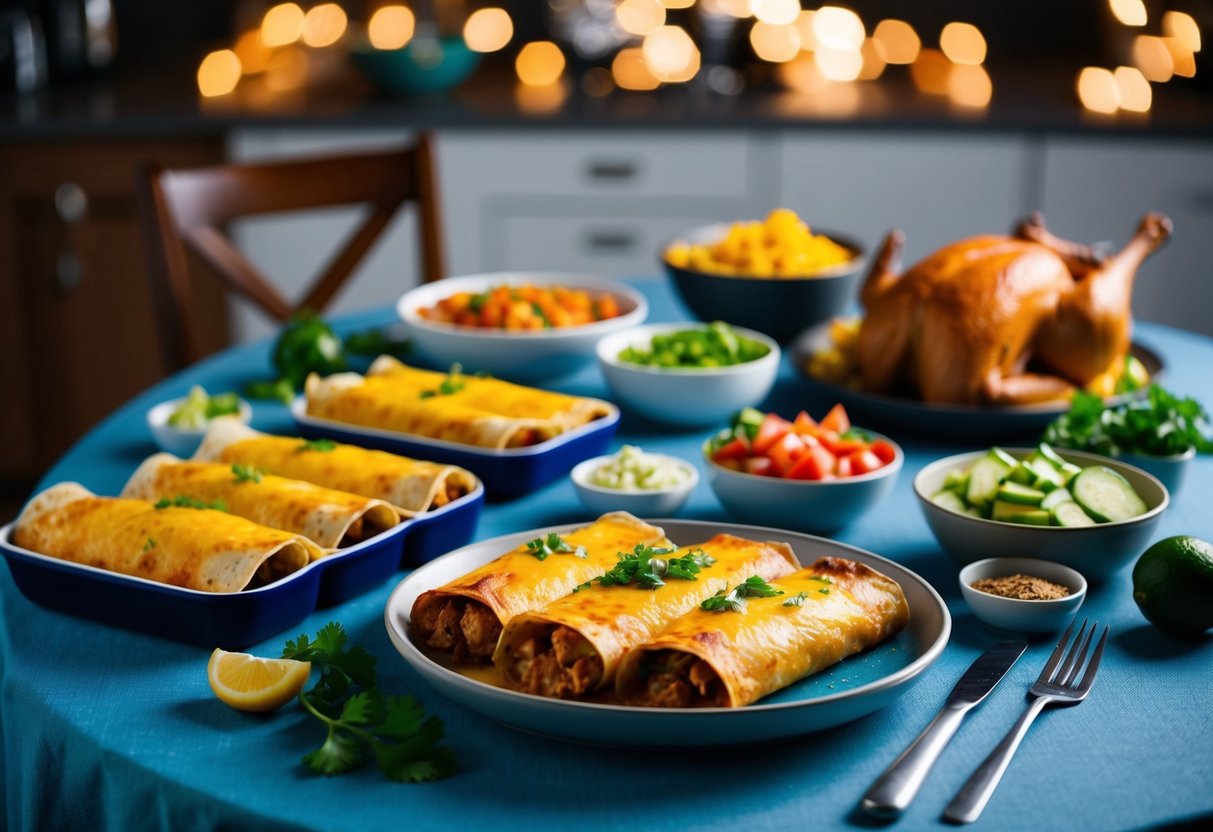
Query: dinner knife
(892, 792)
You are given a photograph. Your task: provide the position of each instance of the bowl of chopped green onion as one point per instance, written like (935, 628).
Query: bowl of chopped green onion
(692, 375)
(179, 425)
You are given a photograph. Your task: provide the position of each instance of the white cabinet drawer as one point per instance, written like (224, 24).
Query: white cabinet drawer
(585, 163)
(934, 187)
(1098, 190)
(617, 246)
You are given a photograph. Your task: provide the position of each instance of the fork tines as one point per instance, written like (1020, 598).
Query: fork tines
(1063, 674)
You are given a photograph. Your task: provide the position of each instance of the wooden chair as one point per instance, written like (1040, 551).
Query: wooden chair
(185, 210)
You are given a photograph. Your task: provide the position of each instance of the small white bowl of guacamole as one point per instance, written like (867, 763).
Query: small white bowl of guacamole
(179, 425)
(635, 481)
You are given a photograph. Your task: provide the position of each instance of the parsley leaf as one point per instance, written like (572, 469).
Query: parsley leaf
(361, 721)
(151, 544)
(553, 544)
(796, 600)
(246, 473)
(733, 600)
(321, 445)
(646, 567)
(182, 501)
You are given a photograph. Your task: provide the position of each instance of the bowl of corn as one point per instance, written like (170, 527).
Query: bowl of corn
(777, 276)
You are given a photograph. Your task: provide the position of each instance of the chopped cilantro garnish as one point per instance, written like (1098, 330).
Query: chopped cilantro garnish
(182, 501)
(361, 719)
(796, 600)
(733, 600)
(825, 590)
(449, 386)
(321, 445)
(646, 567)
(553, 544)
(246, 473)
(151, 544)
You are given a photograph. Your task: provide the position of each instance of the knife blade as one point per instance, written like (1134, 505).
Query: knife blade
(896, 787)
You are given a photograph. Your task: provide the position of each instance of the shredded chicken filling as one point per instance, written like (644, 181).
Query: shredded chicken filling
(468, 630)
(560, 664)
(680, 680)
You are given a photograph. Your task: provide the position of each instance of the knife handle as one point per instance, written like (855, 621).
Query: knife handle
(892, 792)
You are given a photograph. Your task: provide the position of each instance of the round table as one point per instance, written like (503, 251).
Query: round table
(107, 729)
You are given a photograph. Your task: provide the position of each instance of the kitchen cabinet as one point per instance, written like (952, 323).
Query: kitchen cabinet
(573, 201)
(936, 188)
(1098, 191)
(78, 331)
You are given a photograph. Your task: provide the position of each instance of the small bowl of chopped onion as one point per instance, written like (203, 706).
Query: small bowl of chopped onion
(179, 425)
(632, 480)
(1024, 595)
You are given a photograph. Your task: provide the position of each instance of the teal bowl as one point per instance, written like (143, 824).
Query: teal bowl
(422, 66)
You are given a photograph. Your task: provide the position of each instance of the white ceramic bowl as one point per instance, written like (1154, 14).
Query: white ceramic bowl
(685, 396)
(520, 356)
(1016, 614)
(802, 505)
(182, 442)
(662, 502)
(1097, 551)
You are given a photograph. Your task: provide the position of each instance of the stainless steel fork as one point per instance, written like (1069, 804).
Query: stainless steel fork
(1058, 684)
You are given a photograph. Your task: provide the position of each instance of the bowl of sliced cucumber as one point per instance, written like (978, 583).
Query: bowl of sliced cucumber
(1089, 512)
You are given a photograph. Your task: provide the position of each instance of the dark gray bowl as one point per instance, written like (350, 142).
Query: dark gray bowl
(781, 307)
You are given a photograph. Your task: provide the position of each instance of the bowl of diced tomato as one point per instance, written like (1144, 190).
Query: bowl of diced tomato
(524, 326)
(801, 474)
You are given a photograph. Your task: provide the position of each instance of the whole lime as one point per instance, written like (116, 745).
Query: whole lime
(1173, 585)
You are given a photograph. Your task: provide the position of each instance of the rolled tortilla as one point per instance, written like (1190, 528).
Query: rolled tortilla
(331, 519)
(408, 484)
(464, 618)
(201, 549)
(730, 659)
(572, 646)
(496, 396)
(483, 412)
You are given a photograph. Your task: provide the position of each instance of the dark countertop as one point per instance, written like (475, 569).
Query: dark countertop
(164, 102)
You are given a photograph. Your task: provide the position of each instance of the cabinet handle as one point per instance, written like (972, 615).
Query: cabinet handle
(610, 242)
(71, 203)
(69, 272)
(608, 170)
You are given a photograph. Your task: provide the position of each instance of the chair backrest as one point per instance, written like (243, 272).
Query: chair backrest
(185, 211)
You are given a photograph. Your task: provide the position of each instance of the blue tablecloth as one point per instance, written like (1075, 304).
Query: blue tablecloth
(103, 728)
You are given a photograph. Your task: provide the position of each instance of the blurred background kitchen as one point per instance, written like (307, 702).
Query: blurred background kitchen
(574, 135)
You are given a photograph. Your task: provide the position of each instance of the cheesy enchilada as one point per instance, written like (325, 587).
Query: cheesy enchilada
(197, 548)
(332, 519)
(730, 658)
(572, 646)
(464, 618)
(408, 484)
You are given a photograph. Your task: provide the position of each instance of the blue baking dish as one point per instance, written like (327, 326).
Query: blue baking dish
(233, 620)
(512, 472)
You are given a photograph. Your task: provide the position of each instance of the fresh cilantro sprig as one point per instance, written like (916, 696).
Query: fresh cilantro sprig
(733, 600)
(646, 567)
(360, 720)
(796, 600)
(553, 544)
(182, 501)
(323, 446)
(449, 386)
(246, 473)
(1158, 424)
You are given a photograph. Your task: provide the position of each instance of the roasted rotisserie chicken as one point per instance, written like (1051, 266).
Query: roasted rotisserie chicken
(961, 326)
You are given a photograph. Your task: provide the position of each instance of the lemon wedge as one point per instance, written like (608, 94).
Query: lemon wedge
(249, 683)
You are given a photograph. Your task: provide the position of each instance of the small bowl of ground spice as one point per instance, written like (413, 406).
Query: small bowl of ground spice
(1024, 595)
